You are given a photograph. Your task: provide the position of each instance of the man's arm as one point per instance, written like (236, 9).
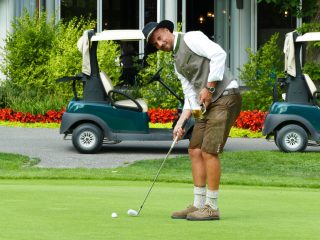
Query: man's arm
(203, 46)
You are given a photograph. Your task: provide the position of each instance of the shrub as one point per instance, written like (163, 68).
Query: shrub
(108, 56)
(65, 59)
(312, 66)
(27, 51)
(260, 74)
(155, 94)
(38, 52)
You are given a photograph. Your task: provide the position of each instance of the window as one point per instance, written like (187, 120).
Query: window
(72, 8)
(271, 20)
(120, 14)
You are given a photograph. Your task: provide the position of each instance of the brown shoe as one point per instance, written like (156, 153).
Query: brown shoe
(205, 213)
(183, 213)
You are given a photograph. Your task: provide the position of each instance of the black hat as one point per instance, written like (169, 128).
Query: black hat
(150, 27)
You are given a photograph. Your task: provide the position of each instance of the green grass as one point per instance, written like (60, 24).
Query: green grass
(277, 199)
(81, 210)
(255, 168)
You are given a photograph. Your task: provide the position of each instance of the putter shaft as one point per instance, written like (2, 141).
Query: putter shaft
(159, 170)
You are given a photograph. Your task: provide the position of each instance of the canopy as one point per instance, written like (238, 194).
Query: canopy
(308, 37)
(122, 35)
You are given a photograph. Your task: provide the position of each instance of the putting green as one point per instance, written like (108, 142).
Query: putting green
(60, 209)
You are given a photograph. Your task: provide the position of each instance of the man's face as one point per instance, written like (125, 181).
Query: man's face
(162, 39)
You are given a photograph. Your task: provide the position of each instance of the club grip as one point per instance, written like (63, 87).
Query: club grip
(184, 123)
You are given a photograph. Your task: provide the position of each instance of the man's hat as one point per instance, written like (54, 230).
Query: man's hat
(151, 27)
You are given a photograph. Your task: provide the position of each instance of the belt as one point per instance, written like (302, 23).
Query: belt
(230, 91)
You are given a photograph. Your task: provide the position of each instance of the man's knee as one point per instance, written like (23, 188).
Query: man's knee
(195, 152)
(206, 155)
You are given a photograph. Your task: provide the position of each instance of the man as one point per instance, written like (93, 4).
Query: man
(200, 66)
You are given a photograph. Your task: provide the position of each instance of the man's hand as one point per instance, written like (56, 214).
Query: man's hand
(179, 130)
(205, 97)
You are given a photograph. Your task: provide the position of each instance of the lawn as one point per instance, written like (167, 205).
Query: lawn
(264, 195)
(254, 168)
(81, 209)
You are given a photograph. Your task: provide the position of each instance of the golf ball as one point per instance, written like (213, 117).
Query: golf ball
(132, 212)
(114, 215)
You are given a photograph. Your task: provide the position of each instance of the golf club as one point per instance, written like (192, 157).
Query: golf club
(132, 212)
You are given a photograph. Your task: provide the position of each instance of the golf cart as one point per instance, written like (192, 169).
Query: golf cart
(105, 115)
(294, 122)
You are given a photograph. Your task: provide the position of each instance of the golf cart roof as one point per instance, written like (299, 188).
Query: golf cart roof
(308, 37)
(122, 35)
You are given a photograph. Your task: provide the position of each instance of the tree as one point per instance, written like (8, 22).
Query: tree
(309, 8)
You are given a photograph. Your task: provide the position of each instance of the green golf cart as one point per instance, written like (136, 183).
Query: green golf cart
(294, 121)
(105, 115)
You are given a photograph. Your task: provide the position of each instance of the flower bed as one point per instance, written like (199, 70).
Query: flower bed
(252, 120)
(51, 116)
(159, 115)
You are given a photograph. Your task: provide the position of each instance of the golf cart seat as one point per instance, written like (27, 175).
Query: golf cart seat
(312, 87)
(129, 103)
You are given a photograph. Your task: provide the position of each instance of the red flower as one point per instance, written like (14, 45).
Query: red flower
(162, 115)
(252, 120)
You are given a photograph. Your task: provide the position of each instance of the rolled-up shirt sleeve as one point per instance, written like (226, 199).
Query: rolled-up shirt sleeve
(200, 44)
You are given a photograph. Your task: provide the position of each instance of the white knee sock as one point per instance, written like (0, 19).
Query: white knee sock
(199, 196)
(212, 199)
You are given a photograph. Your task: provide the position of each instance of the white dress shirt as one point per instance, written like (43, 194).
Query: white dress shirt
(209, 50)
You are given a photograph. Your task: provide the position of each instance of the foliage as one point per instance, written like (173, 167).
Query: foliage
(308, 8)
(27, 51)
(312, 66)
(309, 27)
(38, 52)
(33, 100)
(155, 93)
(260, 73)
(108, 59)
(313, 70)
(65, 59)
(244, 133)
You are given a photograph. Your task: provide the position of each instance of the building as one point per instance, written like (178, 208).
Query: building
(235, 24)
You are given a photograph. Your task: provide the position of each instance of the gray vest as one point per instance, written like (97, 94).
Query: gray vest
(196, 68)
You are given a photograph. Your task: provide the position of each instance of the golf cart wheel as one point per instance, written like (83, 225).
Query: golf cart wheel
(87, 138)
(292, 138)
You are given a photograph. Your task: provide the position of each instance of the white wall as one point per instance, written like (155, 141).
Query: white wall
(235, 31)
(6, 16)
(240, 33)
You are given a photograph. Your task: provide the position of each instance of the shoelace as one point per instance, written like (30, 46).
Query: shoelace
(208, 209)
